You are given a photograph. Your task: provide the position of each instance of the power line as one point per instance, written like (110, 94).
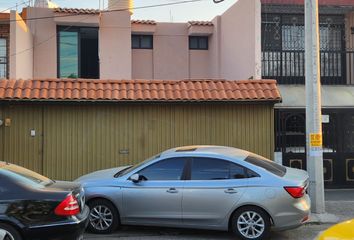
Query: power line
(117, 10)
(114, 10)
(16, 6)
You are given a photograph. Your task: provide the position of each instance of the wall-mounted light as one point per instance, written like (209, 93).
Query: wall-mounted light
(1, 122)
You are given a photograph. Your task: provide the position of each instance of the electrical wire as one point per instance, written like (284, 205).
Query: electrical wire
(89, 15)
(114, 10)
(16, 6)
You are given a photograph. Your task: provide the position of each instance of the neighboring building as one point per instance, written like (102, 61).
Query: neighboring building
(283, 59)
(4, 44)
(85, 43)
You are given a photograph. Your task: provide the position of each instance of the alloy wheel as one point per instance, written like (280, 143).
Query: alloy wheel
(250, 224)
(101, 217)
(5, 235)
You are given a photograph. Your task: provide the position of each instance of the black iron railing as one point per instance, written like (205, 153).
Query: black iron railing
(3, 67)
(288, 66)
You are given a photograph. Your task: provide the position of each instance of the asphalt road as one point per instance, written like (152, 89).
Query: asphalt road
(307, 232)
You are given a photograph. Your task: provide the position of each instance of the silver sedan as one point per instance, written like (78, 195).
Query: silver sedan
(205, 187)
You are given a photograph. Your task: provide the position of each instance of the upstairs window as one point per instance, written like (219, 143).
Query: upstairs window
(78, 52)
(142, 41)
(198, 42)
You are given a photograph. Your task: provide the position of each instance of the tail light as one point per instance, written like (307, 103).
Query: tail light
(68, 207)
(295, 192)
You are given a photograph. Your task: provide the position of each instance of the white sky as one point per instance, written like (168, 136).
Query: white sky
(204, 10)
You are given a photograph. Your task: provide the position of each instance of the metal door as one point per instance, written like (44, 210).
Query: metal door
(22, 136)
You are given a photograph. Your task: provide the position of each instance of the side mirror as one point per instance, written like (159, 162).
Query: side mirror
(135, 178)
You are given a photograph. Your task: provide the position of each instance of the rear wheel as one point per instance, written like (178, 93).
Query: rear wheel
(251, 223)
(9, 233)
(104, 217)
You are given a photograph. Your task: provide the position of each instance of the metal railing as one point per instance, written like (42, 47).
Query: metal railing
(288, 66)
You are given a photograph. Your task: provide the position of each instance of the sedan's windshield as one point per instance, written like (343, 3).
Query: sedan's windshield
(132, 168)
(23, 175)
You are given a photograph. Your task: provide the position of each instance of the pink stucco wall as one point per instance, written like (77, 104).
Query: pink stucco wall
(170, 57)
(115, 45)
(240, 44)
(44, 43)
(21, 51)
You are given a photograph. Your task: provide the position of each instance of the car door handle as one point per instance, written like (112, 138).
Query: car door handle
(172, 190)
(230, 191)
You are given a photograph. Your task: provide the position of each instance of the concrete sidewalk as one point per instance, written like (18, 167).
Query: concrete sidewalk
(339, 207)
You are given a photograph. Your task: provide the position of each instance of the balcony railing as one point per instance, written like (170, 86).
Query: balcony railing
(288, 66)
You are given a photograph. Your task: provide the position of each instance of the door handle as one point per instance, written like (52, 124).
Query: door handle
(172, 190)
(230, 191)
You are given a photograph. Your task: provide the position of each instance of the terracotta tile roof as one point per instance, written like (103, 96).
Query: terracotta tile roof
(138, 90)
(320, 2)
(76, 10)
(200, 23)
(150, 22)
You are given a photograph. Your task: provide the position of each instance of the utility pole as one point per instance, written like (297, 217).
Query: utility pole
(313, 108)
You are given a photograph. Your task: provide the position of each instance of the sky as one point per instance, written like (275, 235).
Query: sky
(203, 10)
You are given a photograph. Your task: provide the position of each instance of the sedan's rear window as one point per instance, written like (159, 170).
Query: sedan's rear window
(24, 176)
(266, 164)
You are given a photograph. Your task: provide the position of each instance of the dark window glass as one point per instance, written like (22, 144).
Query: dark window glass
(237, 172)
(142, 41)
(169, 169)
(266, 164)
(251, 174)
(198, 42)
(135, 41)
(78, 52)
(210, 169)
(203, 43)
(193, 43)
(68, 54)
(24, 176)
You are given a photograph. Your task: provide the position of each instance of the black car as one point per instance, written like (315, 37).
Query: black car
(35, 207)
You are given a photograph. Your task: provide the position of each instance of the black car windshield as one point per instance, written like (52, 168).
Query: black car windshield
(266, 164)
(132, 168)
(24, 176)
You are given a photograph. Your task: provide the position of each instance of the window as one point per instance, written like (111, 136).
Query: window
(266, 164)
(78, 52)
(142, 41)
(25, 176)
(169, 169)
(3, 58)
(198, 42)
(216, 169)
(283, 45)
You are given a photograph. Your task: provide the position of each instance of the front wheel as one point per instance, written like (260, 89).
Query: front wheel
(250, 223)
(104, 217)
(9, 233)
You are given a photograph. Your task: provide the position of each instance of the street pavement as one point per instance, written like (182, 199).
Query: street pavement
(338, 202)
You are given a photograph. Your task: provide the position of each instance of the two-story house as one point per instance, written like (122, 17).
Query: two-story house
(283, 59)
(252, 39)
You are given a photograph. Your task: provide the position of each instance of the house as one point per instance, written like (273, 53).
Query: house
(48, 43)
(66, 110)
(253, 39)
(283, 59)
